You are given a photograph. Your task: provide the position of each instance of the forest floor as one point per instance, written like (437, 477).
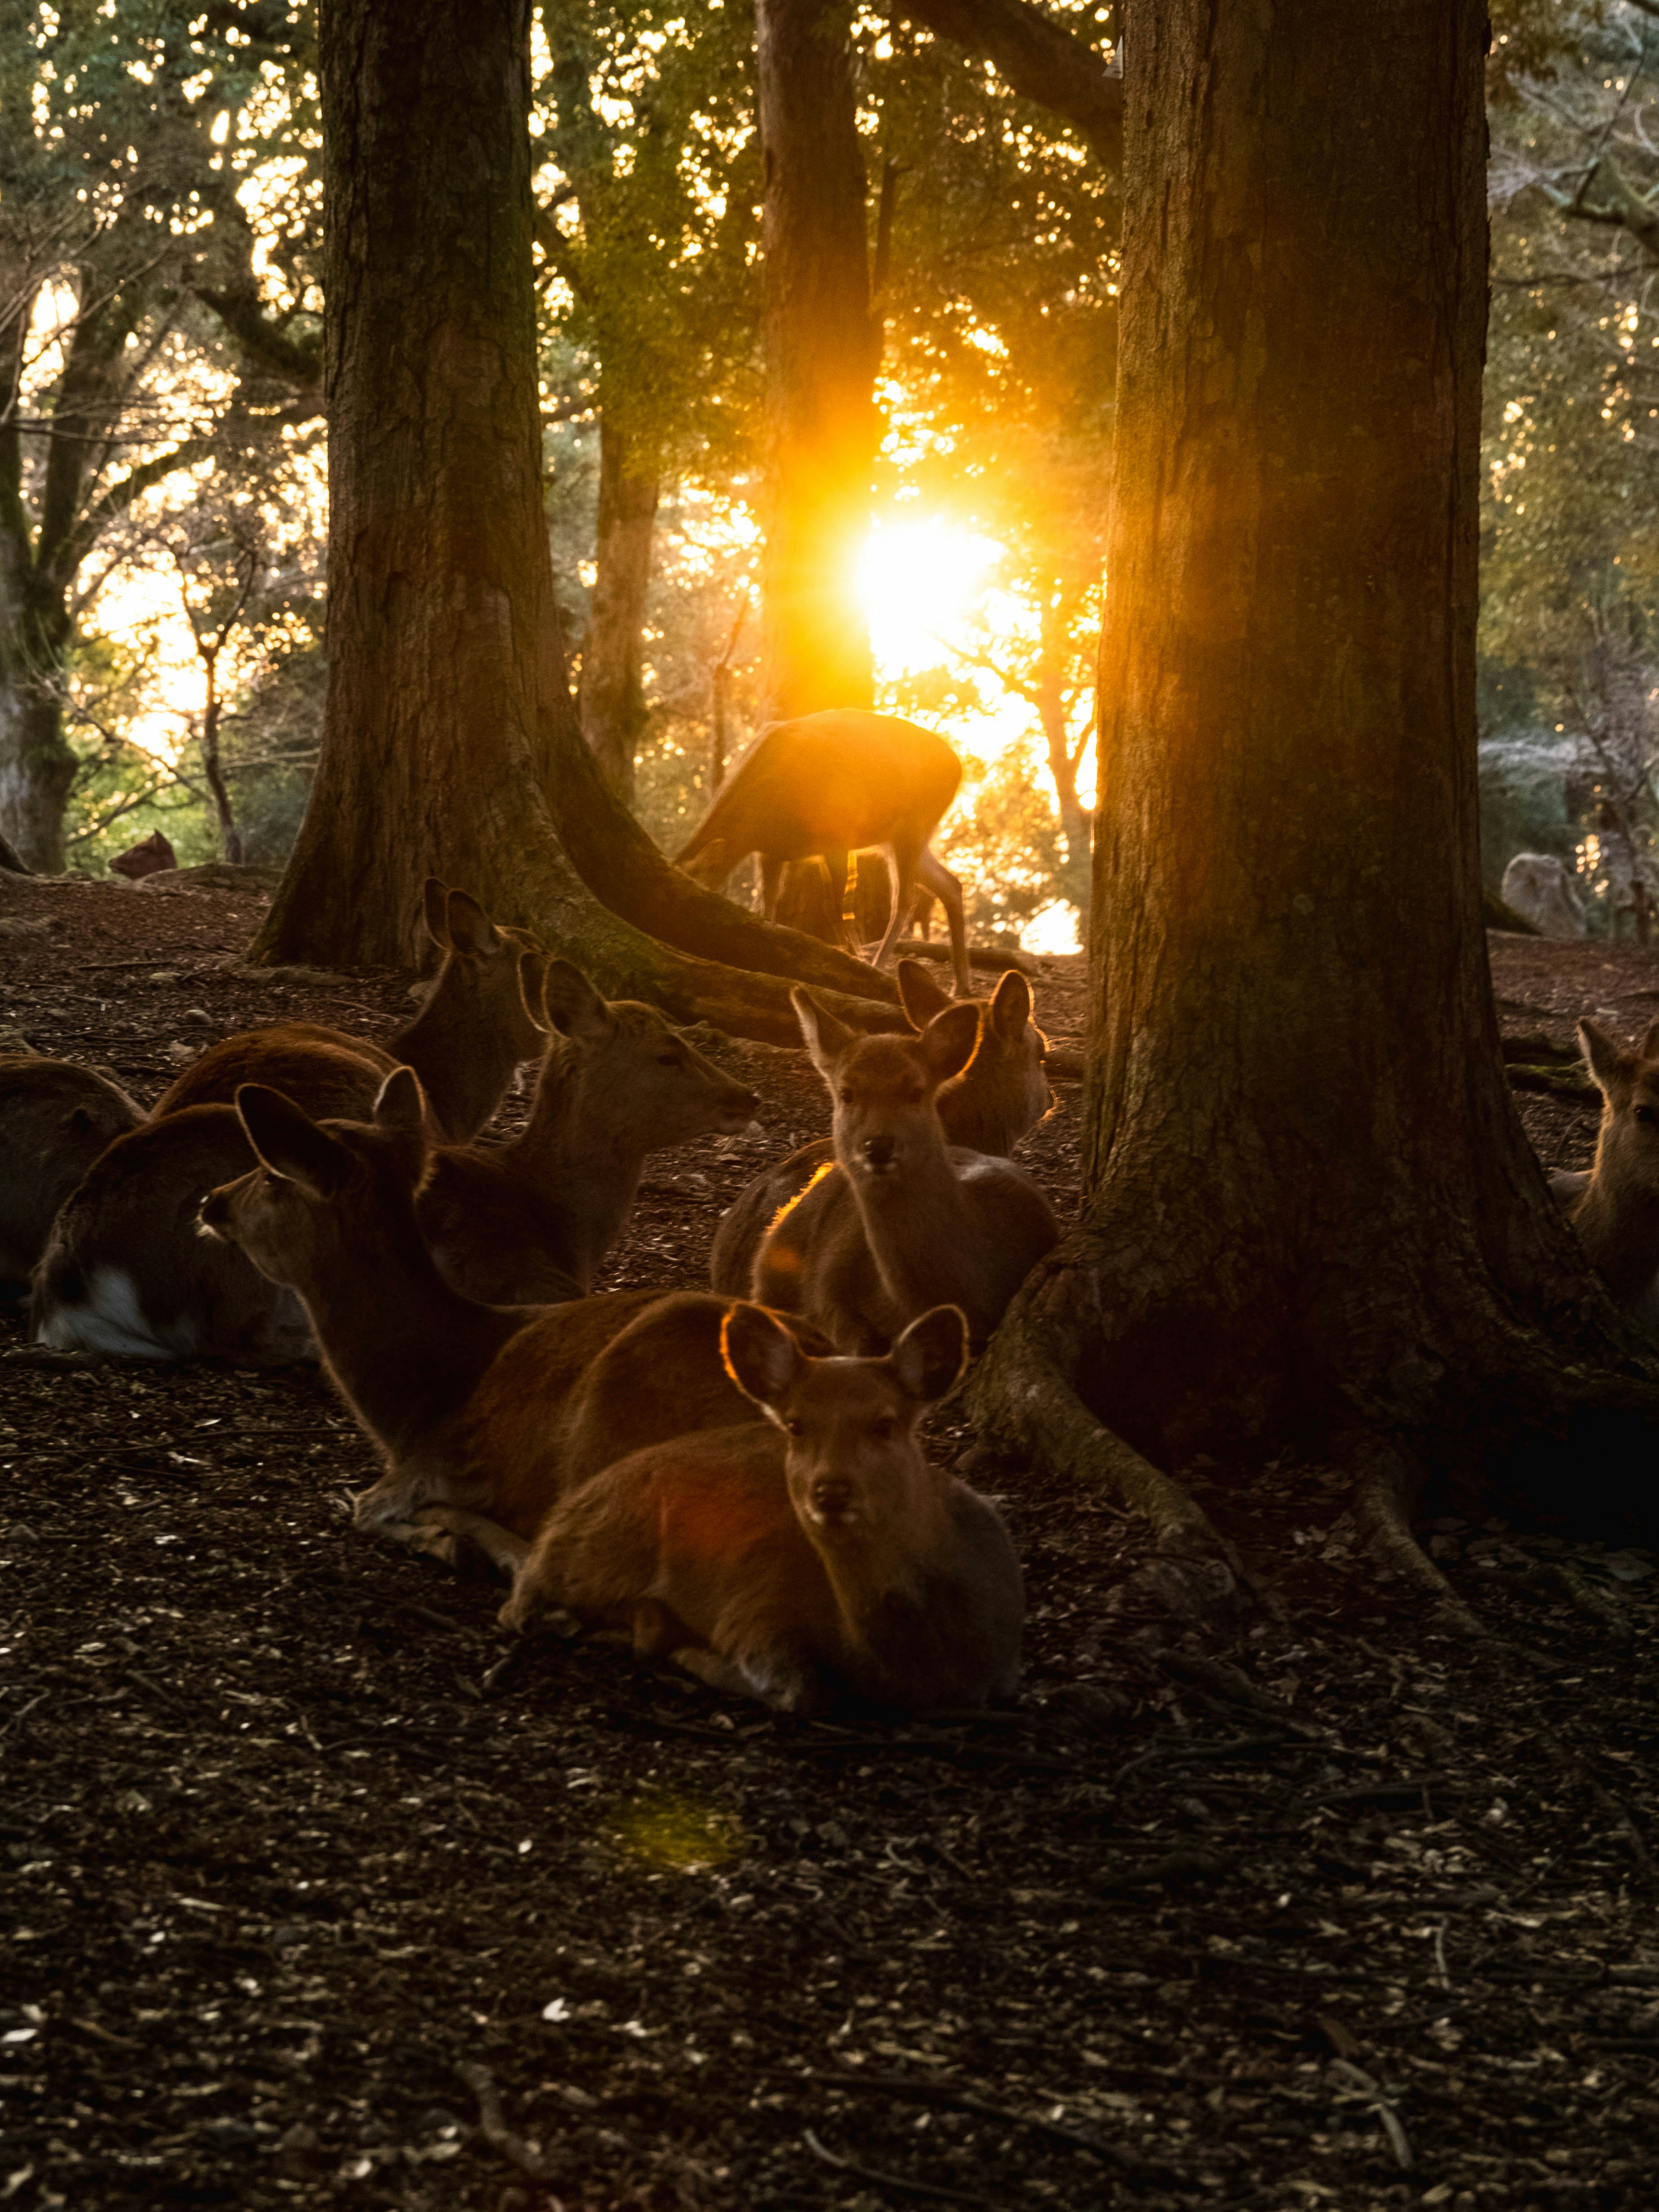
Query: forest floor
(1339, 1914)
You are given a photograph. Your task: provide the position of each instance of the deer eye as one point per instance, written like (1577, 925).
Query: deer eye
(845, 1097)
(668, 1060)
(794, 1427)
(884, 1427)
(1646, 1113)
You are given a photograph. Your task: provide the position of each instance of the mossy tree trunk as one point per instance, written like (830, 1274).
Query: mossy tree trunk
(1311, 1221)
(450, 742)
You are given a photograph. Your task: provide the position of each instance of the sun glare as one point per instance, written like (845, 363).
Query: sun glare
(919, 583)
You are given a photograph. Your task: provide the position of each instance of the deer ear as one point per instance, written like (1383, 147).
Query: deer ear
(471, 929)
(1649, 1048)
(920, 995)
(573, 1007)
(927, 1360)
(290, 1143)
(1608, 1064)
(401, 1102)
(825, 1037)
(435, 906)
(948, 1040)
(759, 1353)
(532, 986)
(1011, 1005)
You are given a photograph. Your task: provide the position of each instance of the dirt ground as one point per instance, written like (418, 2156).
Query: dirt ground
(319, 1892)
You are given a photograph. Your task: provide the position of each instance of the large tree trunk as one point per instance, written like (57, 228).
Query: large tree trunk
(823, 347)
(611, 698)
(451, 744)
(37, 767)
(1311, 1218)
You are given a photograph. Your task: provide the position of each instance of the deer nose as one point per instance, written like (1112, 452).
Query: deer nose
(213, 1213)
(878, 1152)
(832, 1497)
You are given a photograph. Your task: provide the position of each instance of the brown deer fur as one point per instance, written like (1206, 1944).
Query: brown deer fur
(475, 1026)
(1001, 1095)
(1616, 1213)
(903, 1221)
(831, 784)
(123, 1272)
(806, 1560)
(55, 1119)
(483, 1414)
(529, 1222)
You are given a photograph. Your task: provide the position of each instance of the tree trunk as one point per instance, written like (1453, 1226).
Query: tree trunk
(1311, 1219)
(37, 767)
(1075, 828)
(451, 744)
(822, 349)
(612, 699)
(231, 844)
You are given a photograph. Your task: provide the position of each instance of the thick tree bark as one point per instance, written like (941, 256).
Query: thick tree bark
(611, 698)
(823, 346)
(451, 746)
(1311, 1217)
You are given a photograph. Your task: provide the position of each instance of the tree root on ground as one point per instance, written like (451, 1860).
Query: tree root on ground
(1386, 1488)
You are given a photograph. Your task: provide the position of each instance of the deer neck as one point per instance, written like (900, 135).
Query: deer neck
(921, 1229)
(405, 1350)
(1619, 1227)
(887, 1588)
(579, 1155)
(464, 1068)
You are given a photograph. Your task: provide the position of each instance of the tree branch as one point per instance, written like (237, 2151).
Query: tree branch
(1040, 60)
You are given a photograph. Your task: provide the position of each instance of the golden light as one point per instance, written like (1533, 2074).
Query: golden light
(919, 583)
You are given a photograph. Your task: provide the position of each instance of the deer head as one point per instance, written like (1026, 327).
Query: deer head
(1627, 1148)
(662, 1089)
(852, 1461)
(884, 1087)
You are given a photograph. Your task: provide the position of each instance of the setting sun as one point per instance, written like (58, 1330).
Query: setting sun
(919, 582)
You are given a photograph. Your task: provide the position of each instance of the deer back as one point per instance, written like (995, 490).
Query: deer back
(55, 1120)
(125, 1273)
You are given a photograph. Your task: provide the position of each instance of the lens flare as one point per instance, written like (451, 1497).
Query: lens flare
(918, 583)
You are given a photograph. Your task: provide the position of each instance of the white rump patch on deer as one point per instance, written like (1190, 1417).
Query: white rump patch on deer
(113, 1321)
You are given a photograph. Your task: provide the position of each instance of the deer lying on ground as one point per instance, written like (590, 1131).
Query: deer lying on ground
(802, 1559)
(55, 1119)
(477, 1024)
(481, 1413)
(1615, 1209)
(830, 785)
(529, 1222)
(1001, 1095)
(903, 1220)
(123, 1271)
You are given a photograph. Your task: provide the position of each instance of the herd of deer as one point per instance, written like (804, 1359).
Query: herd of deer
(732, 1478)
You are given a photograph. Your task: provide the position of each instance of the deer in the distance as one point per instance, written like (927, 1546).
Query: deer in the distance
(123, 1271)
(55, 1119)
(1615, 1210)
(1001, 1094)
(530, 1222)
(480, 1412)
(476, 1025)
(903, 1220)
(813, 1557)
(827, 785)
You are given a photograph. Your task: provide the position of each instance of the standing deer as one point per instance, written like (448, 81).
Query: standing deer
(987, 1107)
(830, 785)
(902, 1221)
(816, 1556)
(1615, 1209)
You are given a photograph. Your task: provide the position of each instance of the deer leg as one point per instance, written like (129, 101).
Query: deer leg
(933, 876)
(902, 861)
(835, 865)
(505, 1551)
(771, 884)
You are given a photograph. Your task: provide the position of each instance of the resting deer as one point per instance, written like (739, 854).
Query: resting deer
(55, 1119)
(830, 785)
(477, 1024)
(1001, 1095)
(816, 1556)
(483, 1414)
(903, 1220)
(123, 1271)
(1616, 1210)
(529, 1222)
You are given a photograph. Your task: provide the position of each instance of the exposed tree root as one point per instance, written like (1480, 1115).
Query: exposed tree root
(1387, 1487)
